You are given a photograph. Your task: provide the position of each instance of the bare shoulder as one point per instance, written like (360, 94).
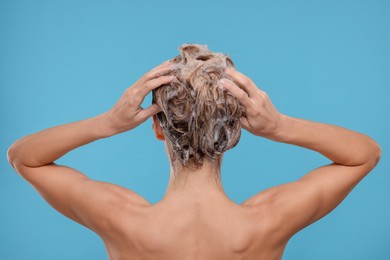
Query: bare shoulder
(128, 195)
(123, 213)
(297, 204)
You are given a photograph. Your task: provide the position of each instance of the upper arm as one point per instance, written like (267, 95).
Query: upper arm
(94, 204)
(298, 204)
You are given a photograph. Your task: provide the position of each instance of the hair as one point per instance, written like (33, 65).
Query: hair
(199, 117)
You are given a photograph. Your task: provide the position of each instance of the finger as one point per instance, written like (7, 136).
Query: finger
(244, 122)
(154, 73)
(243, 81)
(158, 71)
(167, 62)
(240, 94)
(148, 112)
(154, 83)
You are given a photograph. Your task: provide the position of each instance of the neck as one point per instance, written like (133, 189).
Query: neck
(195, 184)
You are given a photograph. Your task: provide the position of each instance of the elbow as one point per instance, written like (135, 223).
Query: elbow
(11, 155)
(378, 154)
(375, 157)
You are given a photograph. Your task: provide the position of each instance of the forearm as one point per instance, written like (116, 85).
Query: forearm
(46, 146)
(341, 145)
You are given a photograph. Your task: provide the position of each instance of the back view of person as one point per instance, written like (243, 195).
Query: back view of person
(198, 114)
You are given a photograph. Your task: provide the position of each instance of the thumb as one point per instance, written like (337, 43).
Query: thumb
(149, 111)
(244, 122)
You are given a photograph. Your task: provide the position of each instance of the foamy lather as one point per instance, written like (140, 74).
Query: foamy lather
(199, 117)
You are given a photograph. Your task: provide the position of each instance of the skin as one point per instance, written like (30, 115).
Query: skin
(195, 219)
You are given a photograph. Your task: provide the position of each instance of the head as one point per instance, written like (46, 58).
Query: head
(200, 120)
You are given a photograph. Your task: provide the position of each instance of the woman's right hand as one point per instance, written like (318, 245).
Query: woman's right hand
(262, 118)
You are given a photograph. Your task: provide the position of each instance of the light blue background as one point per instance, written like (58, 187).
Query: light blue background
(63, 61)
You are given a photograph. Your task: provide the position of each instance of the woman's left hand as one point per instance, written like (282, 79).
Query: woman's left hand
(127, 113)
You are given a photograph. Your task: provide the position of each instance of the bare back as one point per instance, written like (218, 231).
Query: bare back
(259, 228)
(194, 231)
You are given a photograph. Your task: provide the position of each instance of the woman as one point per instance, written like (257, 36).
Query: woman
(198, 116)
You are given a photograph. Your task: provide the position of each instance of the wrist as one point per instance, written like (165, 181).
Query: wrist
(104, 128)
(280, 134)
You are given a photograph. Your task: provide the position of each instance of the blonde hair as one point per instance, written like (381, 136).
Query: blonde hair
(199, 117)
